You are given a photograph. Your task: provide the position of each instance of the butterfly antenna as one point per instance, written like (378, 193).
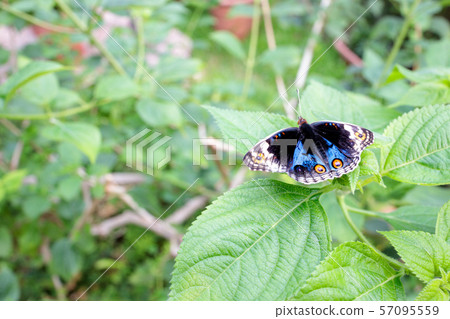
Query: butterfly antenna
(299, 105)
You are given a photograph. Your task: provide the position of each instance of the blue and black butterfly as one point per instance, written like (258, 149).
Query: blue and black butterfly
(311, 153)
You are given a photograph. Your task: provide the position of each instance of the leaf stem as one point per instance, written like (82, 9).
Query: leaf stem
(46, 116)
(140, 46)
(363, 238)
(363, 212)
(33, 20)
(84, 29)
(398, 43)
(252, 49)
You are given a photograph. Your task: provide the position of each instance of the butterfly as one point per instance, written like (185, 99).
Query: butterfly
(311, 153)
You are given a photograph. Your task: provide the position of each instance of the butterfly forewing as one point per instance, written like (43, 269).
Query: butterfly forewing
(274, 153)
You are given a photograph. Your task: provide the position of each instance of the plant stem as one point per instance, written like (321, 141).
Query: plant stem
(363, 238)
(271, 43)
(46, 116)
(398, 43)
(84, 29)
(363, 212)
(252, 49)
(33, 20)
(140, 46)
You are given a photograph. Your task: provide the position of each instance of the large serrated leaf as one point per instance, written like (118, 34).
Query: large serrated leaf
(247, 128)
(422, 252)
(420, 153)
(443, 223)
(259, 241)
(434, 291)
(353, 271)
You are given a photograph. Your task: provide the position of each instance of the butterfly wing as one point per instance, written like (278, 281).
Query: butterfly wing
(273, 153)
(350, 139)
(333, 149)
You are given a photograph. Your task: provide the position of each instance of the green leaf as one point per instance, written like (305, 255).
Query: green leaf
(85, 137)
(69, 187)
(259, 241)
(35, 206)
(11, 182)
(420, 152)
(378, 116)
(9, 285)
(443, 223)
(158, 114)
(66, 99)
(425, 75)
(66, 261)
(172, 69)
(425, 94)
(434, 291)
(42, 90)
(281, 59)
(353, 271)
(320, 102)
(422, 252)
(420, 218)
(30, 72)
(115, 87)
(5, 242)
(247, 128)
(229, 42)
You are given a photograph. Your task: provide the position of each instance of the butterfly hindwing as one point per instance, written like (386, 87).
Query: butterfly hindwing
(274, 153)
(319, 161)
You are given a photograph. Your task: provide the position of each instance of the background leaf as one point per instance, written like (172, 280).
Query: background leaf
(420, 218)
(421, 151)
(422, 252)
(246, 246)
(248, 127)
(84, 136)
(353, 271)
(443, 223)
(229, 42)
(9, 285)
(28, 73)
(66, 261)
(115, 87)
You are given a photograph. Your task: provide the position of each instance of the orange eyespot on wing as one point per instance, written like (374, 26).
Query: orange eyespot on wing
(337, 163)
(361, 136)
(319, 169)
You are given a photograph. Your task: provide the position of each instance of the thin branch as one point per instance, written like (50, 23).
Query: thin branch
(398, 43)
(84, 29)
(182, 214)
(348, 54)
(33, 20)
(252, 49)
(46, 257)
(11, 127)
(159, 227)
(239, 177)
(363, 238)
(317, 28)
(46, 116)
(271, 43)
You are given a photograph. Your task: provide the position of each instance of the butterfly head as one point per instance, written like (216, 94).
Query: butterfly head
(301, 121)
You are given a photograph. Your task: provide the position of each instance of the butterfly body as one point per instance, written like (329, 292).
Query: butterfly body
(311, 153)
